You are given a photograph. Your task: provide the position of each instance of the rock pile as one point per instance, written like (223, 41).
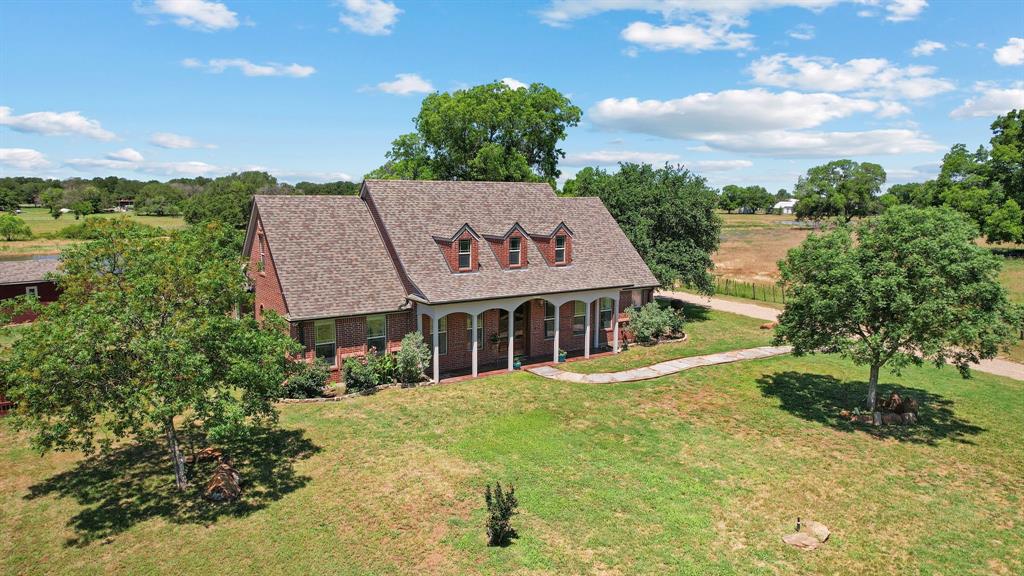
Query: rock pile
(808, 536)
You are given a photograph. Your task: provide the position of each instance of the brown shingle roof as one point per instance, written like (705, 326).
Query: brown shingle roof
(329, 256)
(414, 212)
(26, 271)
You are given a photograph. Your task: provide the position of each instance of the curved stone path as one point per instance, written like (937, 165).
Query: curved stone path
(661, 368)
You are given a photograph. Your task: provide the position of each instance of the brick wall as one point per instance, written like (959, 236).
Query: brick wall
(48, 292)
(500, 248)
(267, 288)
(546, 247)
(450, 251)
(350, 336)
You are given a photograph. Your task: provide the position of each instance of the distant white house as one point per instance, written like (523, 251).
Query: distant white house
(785, 206)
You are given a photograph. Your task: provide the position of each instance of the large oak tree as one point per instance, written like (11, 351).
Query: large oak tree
(143, 340)
(902, 288)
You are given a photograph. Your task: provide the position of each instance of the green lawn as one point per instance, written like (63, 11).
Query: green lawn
(697, 473)
(44, 226)
(707, 331)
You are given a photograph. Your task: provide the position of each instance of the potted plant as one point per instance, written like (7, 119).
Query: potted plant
(517, 362)
(561, 355)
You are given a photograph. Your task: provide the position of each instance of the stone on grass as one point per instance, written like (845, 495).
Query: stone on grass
(811, 535)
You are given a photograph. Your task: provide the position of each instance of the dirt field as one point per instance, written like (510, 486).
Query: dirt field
(753, 243)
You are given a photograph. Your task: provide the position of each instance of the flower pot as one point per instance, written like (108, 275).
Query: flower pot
(561, 357)
(517, 364)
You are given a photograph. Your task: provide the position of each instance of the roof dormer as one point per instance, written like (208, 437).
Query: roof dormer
(510, 248)
(556, 246)
(461, 250)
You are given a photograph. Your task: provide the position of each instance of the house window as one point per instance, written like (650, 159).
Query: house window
(32, 291)
(479, 332)
(263, 256)
(606, 313)
(324, 338)
(442, 336)
(377, 333)
(514, 251)
(560, 249)
(579, 319)
(465, 254)
(549, 321)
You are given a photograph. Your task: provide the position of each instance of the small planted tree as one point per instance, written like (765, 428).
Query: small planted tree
(902, 288)
(412, 359)
(143, 341)
(501, 507)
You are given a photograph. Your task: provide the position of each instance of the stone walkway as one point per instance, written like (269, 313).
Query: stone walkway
(997, 366)
(662, 368)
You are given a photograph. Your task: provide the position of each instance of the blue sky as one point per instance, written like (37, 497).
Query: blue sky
(747, 91)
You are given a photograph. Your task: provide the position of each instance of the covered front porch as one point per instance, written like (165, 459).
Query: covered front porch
(518, 327)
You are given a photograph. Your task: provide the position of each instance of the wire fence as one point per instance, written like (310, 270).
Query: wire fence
(750, 290)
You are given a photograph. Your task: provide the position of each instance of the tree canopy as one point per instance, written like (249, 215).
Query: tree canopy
(667, 213)
(986, 184)
(902, 288)
(488, 132)
(143, 340)
(750, 198)
(840, 189)
(13, 228)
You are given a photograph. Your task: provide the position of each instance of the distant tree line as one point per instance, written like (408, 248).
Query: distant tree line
(197, 199)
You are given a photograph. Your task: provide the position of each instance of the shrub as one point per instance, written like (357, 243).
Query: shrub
(412, 359)
(382, 366)
(501, 506)
(358, 375)
(308, 381)
(14, 228)
(95, 228)
(652, 321)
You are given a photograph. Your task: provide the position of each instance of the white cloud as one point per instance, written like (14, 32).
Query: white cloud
(219, 65)
(372, 17)
(1012, 54)
(926, 48)
(802, 32)
(54, 124)
(727, 111)
(991, 100)
(514, 84)
(903, 10)
(406, 84)
(863, 76)
(562, 12)
(800, 144)
(719, 165)
(611, 157)
(176, 141)
(126, 155)
(761, 122)
(23, 158)
(890, 109)
(196, 14)
(686, 37)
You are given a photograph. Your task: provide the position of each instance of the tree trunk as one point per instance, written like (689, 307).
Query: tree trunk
(873, 386)
(176, 457)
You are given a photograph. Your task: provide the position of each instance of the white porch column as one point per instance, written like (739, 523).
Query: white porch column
(615, 323)
(474, 345)
(558, 314)
(419, 322)
(511, 334)
(437, 349)
(586, 331)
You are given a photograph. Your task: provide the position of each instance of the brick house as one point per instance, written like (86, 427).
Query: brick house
(28, 277)
(487, 271)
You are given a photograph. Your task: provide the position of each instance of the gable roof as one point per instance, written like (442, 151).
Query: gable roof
(329, 256)
(412, 212)
(26, 271)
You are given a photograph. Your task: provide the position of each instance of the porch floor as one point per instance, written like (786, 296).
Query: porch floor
(501, 367)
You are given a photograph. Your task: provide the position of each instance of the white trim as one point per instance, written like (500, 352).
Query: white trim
(32, 291)
(333, 341)
(518, 251)
(367, 342)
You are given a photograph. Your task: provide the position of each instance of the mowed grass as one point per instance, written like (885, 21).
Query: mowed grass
(40, 221)
(708, 332)
(701, 472)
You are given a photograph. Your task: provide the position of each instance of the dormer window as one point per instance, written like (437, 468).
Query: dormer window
(515, 249)
(465, 254)
(560, 250)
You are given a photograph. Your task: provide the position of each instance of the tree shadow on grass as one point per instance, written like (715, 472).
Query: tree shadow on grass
(135, 483)
(695, 312)
(820, 398)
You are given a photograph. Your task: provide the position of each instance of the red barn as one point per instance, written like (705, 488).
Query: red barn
(21, 277)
